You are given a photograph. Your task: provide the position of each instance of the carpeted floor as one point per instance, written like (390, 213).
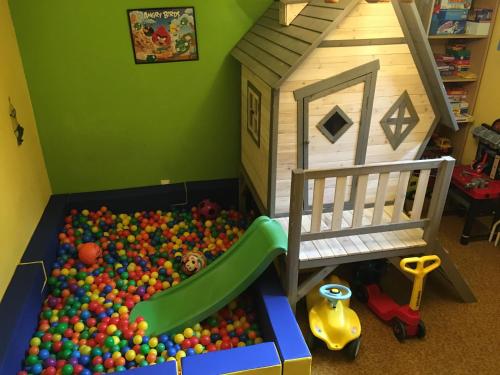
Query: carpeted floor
(461, 338)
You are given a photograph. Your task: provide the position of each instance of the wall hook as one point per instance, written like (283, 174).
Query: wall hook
(18, 129)
(19, 132)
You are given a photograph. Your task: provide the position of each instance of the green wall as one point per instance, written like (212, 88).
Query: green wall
(107, 123)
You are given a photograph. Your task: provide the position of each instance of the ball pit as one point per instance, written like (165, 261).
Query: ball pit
(84, 324)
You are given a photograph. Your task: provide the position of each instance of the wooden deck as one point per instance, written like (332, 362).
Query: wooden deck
(354, 245)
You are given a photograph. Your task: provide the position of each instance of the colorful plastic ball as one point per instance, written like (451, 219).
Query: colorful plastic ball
(106, 355)
(67, 369)
(79, 327)
(50, 362)
(163, 339)
(84, 360)
(153, 342)
(43, 354)
(96, 352)
(37, 368)
(31, 360)
(89, 253)
(186, 344)
(205, 340)
(188, 333)
(111, 329)
(137, 340)
(130, 355)
(109, 363)
(179, 338)
(109, 342)
(145, 349)
(143, 325)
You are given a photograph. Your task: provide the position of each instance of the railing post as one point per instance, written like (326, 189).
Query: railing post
(294, 235)
(438, 200)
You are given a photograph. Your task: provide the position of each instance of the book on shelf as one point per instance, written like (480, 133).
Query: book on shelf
(454, 4)
(467, 75)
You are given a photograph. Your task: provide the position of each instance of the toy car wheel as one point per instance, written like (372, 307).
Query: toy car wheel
(399, 329)
(360, 293)
(352, 349)
(421, 330)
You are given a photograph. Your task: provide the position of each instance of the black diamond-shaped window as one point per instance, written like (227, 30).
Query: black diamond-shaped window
(400, 120)
(334, 124)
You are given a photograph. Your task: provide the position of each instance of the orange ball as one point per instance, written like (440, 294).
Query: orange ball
(89, 253)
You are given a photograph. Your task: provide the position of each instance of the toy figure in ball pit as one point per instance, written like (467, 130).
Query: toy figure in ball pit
(193, 262)
(208, 209)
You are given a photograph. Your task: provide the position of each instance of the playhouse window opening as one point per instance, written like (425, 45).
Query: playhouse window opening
(335, 124)
(253, 113)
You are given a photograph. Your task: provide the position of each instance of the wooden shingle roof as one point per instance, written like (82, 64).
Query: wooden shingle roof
(273, 51)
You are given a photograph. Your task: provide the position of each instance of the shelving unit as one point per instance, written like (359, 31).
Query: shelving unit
(458, 79)
(478, 45)
(458, 36)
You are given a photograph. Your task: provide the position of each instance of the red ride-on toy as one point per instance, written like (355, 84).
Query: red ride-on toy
(405, 319)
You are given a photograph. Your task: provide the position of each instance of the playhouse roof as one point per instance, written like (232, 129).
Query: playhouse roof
(273, 51)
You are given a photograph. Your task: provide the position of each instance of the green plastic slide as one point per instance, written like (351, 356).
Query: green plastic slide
(215, 286)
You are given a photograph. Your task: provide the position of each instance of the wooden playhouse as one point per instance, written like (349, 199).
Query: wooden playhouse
(328, 90)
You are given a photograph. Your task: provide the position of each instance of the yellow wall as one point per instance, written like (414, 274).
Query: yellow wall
(487, 109)
(24, 185)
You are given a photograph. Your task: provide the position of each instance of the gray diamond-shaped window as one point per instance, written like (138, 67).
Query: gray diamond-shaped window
(400, 120)
(334, 124)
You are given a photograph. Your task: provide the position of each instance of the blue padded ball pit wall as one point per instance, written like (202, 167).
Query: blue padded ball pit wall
(23, 299)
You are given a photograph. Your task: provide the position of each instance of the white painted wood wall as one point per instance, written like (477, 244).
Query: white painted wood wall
(397, 73)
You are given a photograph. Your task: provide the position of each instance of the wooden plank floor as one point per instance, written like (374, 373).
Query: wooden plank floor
(351, 245)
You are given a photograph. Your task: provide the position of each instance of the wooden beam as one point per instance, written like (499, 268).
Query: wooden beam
(313, 280)
(396, 166)
(410, 224)
(361, 42)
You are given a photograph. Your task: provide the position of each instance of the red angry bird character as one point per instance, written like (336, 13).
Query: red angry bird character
(161, 36)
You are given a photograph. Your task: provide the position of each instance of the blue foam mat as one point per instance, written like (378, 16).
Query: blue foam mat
(280, 319)
(166, 368)
(226, 361)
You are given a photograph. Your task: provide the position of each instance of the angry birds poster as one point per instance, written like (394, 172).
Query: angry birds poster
(163, 35)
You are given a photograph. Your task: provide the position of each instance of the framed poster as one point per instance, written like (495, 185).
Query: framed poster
(161, 35)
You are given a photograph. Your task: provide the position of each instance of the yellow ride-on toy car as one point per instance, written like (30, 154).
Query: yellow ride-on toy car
(331, 319)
